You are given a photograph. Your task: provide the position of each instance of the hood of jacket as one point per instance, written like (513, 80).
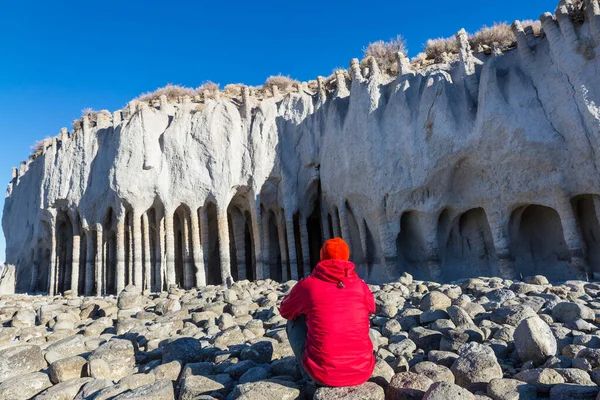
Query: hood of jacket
(335, 271)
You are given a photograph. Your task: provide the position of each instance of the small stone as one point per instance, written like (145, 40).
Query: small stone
(447, 391)
(25, 386)
(159, 390)
(186, 350)
(476, 366)
(407, 385)
(67, 368)
(571, 312)
(425, 339)
(23, 319)
(511, 389)
(435, 301)
(195, 385)
(266, 390)
(129, 298)
(437, 373)
(366, 391)
(542, 378)
(118, 354)
(382, 374)
(568, 391)
(169, 371)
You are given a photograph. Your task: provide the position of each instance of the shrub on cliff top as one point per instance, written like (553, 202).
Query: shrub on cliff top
(208, 90)
(171, 91)
(385, 53)
(536, 25)
(499, 35)
(283, 83)
(435, 48)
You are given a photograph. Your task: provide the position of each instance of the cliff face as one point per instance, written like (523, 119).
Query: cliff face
(485, 166)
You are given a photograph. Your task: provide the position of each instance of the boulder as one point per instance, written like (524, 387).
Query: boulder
(534, 341)
(366, 391)
(20, 359)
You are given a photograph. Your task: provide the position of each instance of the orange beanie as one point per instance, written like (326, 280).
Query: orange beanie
(335, 249)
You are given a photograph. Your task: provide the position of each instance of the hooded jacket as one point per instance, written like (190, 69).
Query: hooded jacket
(336, 304)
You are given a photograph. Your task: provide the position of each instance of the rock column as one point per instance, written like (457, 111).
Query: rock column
(266, 246)
(306, 267)
(573, 239)
(430, 228)
(499, 228)
(120, 269)
(283, 248)
(160, 246)
(137, 251)
(344, 224)
(223, 230)
(170, 248)
(239, 234)
(37, 261)
(99, 261)
(198, 254)
(293, 258)
(258, 240)
(89, 263)
(75, 261)
(188, 273)
(53, 263)
(205, 238)
(147, 260)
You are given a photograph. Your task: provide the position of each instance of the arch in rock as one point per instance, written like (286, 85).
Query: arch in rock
(64, 244)
(214, 259)
(469, 248)
(411, 246)
(538, 244)
(184, 275)
(109, 226)
(41, 273)
(587, 208)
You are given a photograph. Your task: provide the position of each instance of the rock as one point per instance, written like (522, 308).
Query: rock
(447, 391)
(425, 339)
(64, 390)
(382, 374)
(476, 366)
(8, 274)
(118, 354)
(512, 315)
(159, 390)
(169, 371)
(23, 319)
(256, 374)
(99, 369)
(511, 389)
(67, 368)
(129, 298)
(542, 378)
(186, 350)
(568, 391)
(137, 380)
(435, 301)
(534, 341)
(260, 352)
(91, 389)
(570, 312)
(20, 359)
(195, 385)
(437, 373)
(366, 391)
(407, 385)
(23, 387)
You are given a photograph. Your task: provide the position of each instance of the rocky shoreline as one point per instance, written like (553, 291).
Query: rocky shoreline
(478, 339)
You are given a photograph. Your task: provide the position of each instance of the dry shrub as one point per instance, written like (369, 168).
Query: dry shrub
(38, 148)
(234, 90)
(208, 88)
(313, 85)
(499, 35)
(536, 25)
(171, 91)
(282, 82)
(435, 48)
(385, 53)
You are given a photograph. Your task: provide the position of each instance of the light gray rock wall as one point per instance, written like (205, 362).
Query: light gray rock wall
(486, 166)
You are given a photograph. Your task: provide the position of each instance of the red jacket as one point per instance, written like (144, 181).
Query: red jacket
(336, 304)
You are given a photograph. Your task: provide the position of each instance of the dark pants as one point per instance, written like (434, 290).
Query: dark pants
(296, 331)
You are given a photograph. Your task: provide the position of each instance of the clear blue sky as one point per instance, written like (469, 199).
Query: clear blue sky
(58, 57)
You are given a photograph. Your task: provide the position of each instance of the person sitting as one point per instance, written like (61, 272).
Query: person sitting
(328, 320)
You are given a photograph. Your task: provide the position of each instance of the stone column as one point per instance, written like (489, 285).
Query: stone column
(129, 252)
(266, 246)
(89, 263)
(120, 269)
(75, 262)
(429, 226)
(99, 261)
(325, 223)
(388, 232)
(198, 254)
(306, 267)
(283, 246)
(239, 236)
(362, 233)
(499, 228)
(147, 259)
(335, 221)
(160, 246)
(573, 238)
(170, 248)
(223, 229)
(188, 273)
(137, 251)
(343, 226)
(260, 270)
(205, 239)
(53, 261)
(37, 261)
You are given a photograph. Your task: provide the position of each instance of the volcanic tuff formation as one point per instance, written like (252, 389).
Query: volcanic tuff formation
(480, 167)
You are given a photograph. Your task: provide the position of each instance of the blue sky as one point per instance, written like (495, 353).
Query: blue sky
(59, 57)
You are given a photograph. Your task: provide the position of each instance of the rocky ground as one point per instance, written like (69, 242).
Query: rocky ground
(483, 338)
